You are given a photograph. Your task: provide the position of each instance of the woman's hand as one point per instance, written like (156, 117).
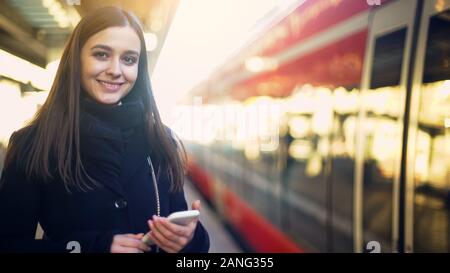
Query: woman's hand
(128, 243)
(172, 237)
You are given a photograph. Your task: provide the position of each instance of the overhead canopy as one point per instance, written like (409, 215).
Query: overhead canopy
(31, 29)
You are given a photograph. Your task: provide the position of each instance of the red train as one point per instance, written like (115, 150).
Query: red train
(355, 157)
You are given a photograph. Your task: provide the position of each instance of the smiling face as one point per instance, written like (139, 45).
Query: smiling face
(109, 64)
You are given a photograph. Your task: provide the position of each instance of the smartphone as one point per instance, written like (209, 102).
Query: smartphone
(182, 218)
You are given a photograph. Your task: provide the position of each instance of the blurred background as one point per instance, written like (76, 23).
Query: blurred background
(310, 125)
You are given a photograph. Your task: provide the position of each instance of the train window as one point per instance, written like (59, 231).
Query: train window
(384, 136)
(388, 58)
(432, 165)
(437, 60)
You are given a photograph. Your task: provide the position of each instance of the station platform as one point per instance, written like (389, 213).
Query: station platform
(221, 240)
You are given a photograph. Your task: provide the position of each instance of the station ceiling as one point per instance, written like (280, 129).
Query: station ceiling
(35, 29)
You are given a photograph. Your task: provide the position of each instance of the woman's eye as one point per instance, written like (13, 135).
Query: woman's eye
(101, 55)
(130, 60)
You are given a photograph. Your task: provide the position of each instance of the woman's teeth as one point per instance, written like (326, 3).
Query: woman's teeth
(110, 86)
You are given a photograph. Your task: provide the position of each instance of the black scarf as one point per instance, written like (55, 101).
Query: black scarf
(127, 114)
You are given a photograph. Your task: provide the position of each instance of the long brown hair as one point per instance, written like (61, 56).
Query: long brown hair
(55, 127)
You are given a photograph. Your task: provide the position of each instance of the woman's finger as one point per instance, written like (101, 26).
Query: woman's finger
(129, 241)
(178, 230)
(166, 235)
(124, 249)
(168, 239)
(175, 233)
(136, 236)
(196, 204)
(162, 244)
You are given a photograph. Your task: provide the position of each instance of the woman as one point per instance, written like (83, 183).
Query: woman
(96, 167)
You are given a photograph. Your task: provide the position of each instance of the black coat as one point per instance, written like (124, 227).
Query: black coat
(114, 152)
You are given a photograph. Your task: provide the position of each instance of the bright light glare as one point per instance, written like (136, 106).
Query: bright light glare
(203, 34)
(258, 64)
(23, 71)
(16, 110)
(151, 41)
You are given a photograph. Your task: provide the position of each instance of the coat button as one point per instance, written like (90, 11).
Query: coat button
(120, 203)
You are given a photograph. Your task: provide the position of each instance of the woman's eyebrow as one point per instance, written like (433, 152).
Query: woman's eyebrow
(107, 48)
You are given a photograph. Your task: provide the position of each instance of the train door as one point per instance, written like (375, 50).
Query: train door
(381, 125)
(427, 207)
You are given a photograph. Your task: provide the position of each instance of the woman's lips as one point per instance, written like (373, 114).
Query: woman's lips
(109, 86)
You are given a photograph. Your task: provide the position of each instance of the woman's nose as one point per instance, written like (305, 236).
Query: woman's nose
(114, 68)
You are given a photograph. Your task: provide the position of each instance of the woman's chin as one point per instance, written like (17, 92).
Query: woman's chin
(108, 99)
